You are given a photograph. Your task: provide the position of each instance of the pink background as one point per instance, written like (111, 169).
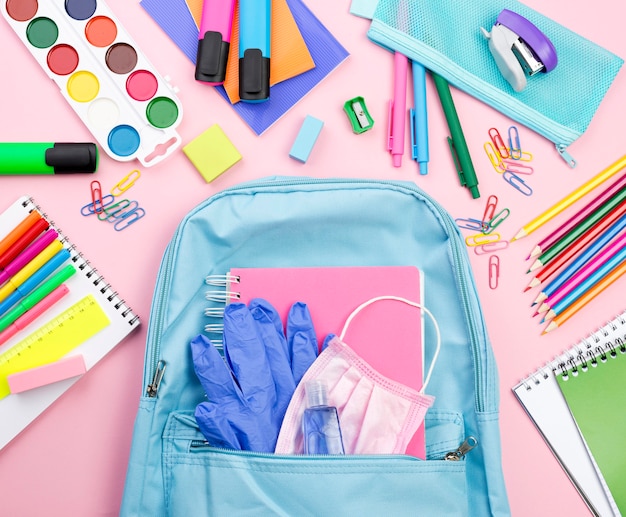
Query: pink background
(73, 458)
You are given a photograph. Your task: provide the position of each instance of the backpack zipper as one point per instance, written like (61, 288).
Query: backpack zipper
(561, 136)
(155, 366)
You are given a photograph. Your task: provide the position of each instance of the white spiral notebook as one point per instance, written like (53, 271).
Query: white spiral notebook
(543, 400)
(40, 341)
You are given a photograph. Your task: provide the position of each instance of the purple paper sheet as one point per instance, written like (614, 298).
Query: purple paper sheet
(174, 18)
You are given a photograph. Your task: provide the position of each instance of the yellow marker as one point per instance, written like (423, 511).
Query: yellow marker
(55, 339)
(540, 220)
(27, 271)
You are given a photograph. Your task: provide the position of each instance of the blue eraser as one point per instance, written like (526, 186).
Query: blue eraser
(307, 136)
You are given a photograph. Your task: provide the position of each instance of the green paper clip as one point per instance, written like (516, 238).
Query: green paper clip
(359, 116)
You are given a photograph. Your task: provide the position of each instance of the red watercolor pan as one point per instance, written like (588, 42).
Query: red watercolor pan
(103, 75)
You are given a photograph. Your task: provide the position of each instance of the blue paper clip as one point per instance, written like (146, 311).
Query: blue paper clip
(470, 224)
(515, 148)
(112, 210)
(494, 271)
(90, 208)
(516, 182)
(129, 218)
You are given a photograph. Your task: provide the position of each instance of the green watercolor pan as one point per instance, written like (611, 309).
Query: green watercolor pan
(130, 110)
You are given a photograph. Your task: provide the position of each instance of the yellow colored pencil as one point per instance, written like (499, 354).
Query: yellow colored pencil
(567, 201)
(584, 299)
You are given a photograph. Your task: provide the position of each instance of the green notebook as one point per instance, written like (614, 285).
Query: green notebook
(595, 391)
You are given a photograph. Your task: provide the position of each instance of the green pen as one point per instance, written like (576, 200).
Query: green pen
(47, 158)
(28, 302)
(458, 145)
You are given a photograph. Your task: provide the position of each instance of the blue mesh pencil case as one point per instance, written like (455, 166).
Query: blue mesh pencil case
(445, 36)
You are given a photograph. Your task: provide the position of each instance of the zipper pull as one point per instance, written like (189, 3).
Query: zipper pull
(562, 150)
(463, 449)
(153, 387)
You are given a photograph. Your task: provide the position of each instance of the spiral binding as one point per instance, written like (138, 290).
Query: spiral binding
(608, 342)
(90, 272)
(220, 297)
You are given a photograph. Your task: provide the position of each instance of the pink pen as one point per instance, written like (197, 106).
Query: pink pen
(214, 40)
(32, 314)
(27, 255)
(397, 108)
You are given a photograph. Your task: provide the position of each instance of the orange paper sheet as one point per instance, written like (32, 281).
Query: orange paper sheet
(290, 55)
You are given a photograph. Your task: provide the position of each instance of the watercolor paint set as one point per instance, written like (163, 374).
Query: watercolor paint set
(128, 107)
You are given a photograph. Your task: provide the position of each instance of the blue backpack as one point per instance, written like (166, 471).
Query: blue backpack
(281, 222)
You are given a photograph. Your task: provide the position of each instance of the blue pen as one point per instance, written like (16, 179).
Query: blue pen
(254, 50)
(37, 277)
(419, 119)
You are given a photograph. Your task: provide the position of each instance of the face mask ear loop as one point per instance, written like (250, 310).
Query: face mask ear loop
(408, 302)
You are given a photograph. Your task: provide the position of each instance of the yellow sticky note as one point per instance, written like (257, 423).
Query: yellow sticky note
(212, 153)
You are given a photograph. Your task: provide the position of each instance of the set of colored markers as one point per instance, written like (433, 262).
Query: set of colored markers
(33, 270)
(585, 254)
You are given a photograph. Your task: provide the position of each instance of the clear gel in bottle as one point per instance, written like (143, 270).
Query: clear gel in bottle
(320, 422)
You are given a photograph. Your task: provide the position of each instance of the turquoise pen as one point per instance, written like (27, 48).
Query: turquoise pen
(36, 296)
(419, 119)
(35, 279)
(458, 145)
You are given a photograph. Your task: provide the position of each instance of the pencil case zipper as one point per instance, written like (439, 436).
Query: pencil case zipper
(561, 136)
(155, 366)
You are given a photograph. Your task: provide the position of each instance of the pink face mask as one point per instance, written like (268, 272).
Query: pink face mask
(377, 415)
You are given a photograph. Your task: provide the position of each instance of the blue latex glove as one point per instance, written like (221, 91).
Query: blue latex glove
(248, 394)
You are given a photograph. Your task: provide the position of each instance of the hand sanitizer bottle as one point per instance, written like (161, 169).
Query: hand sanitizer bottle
(320, 422)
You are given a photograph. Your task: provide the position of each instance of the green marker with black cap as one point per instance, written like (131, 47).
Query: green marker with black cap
(47, 158)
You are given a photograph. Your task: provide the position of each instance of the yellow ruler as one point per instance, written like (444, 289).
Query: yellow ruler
(55, 339)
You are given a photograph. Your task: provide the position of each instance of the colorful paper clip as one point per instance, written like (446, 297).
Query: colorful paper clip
(518, 183)
(112, 211)
(496, 220)
(525, 156)
(90, 208)
(517, 168)
(126, 182)
(470, 224)
(491, 247)
(494, 271)
(490, 210)
(479, 239)
(129, 218)
(515, 149)
(96, 196)
(494, 158)
(498, 143)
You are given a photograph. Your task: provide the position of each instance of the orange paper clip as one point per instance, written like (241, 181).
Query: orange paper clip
(126, 182)
(498, 143)
(494, 271)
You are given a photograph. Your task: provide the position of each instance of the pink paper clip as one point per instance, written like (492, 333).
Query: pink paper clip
(515, 148)
(518, 168)
(490, 210)
(498, 143)
(491, 247)
(479, 239)
(494, 271)
(494, 158)
(517, 183)
(96, 196)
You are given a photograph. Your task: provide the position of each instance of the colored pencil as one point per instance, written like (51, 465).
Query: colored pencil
(581, 302)
(610, 257)
(616, 201)
(597, 237)
(548, 241)
(571, 198)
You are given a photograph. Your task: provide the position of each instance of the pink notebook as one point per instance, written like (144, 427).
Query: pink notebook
(387, 334)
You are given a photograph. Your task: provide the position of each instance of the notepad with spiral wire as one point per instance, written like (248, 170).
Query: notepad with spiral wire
(541, 397)
(88, 318)
(387, 335)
